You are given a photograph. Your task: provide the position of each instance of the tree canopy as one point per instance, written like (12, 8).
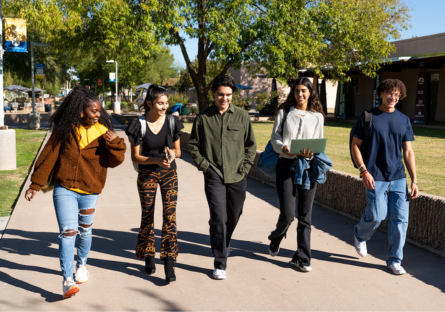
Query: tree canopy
(278, 37)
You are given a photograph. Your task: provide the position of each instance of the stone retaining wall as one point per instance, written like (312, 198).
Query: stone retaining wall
(344, 193)
(21, 118)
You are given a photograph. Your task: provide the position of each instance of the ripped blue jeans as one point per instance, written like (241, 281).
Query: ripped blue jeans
(75, 214)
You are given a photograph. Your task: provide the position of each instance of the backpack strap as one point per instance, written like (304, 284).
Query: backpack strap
(143, 122)
(286, 110)
(368, 121)
(171, 122)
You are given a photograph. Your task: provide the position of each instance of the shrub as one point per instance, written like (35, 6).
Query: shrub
(267, 103)
(241, 102)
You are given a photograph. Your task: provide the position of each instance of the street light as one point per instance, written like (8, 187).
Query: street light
(33, 117)
(117, 105)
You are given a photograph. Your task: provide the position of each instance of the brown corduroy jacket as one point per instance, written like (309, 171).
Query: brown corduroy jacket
(84, 169)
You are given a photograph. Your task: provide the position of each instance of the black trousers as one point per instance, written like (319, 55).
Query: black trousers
(226, 201)
(287, 191)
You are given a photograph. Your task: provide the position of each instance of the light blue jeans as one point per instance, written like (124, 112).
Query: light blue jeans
(386, 198)
(75, 214)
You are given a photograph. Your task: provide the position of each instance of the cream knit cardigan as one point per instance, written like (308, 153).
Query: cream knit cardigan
(298, 125)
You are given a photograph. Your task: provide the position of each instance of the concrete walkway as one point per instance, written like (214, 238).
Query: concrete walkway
(30, 277)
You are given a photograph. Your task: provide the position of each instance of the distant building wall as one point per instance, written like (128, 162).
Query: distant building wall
(419, 45)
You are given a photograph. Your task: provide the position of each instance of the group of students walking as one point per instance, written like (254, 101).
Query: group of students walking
(222, 144)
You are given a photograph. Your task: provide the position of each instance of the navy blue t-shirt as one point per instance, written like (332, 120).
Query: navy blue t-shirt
(387, 133)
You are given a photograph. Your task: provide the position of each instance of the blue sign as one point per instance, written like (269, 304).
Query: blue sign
(40, 71)
(15, 35)
(112, 77)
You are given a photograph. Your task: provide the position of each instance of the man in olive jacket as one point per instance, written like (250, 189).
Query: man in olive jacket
(223, 146)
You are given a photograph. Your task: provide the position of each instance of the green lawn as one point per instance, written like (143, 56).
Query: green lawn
(429, 148)
(11, 181)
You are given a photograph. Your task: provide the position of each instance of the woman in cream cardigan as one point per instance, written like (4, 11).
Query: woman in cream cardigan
(304, 120)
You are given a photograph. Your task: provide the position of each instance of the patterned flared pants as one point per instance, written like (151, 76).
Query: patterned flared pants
(148, 181)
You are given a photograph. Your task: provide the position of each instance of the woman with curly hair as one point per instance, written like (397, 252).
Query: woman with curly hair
(299, 117)
(155, 153)
(76, 157)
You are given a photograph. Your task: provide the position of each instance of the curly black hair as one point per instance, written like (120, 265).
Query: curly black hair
(388, 85)
(314, 103)
(67, 115)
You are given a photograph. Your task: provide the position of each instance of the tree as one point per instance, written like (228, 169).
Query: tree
(280, 36)
(158, 67)
(17, 66)
(89, 32)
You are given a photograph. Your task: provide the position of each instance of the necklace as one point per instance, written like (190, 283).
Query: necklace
(155, 126)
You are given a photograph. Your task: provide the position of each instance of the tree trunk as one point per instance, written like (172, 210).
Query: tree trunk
(202, 100)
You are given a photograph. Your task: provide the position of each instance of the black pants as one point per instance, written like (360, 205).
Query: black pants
(287, 191)
(226, 201)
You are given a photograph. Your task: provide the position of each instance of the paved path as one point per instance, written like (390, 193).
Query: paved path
(30, 276)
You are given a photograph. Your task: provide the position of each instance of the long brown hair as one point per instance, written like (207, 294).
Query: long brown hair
(314, 103)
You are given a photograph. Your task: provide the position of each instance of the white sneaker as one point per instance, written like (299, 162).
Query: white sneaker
(360, 247)
(304, 268)
(81, 275)
(396, 268)
(219, 274)
(69, 288)
(228, 250)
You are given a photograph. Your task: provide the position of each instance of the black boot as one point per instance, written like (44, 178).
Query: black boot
(169, 269)
(276, 237)
(150, 267)
(274, 246)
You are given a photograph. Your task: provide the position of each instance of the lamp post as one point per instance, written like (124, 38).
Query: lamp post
(8, 150)
(33, 117)
(117, 105)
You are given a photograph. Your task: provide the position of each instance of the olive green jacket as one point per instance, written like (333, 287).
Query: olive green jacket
(227, 144)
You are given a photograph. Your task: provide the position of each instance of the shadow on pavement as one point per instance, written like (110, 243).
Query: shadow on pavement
(421, 264)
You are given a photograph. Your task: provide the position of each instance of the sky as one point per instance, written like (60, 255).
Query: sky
(427, 18)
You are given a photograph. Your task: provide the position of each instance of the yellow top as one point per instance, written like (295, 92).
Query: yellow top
(86, 135)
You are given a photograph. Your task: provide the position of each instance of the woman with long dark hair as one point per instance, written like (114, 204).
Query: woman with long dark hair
(299, 117)
(156, 165)
(76, 157)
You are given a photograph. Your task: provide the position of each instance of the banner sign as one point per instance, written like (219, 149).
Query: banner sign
(112, 77)
(341, 100)
(15, 35)
(419, 108)
(40, 71)
(376, 100)
(99, 82)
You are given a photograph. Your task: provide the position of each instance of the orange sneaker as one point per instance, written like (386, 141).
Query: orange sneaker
(69, 288)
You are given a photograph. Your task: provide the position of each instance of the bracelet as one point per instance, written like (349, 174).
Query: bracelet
(363, 173)
(360, 167)
(415, 183)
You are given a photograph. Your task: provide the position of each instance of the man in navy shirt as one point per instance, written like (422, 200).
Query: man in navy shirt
(383, 172)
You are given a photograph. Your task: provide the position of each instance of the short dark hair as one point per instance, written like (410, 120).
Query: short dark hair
(388, 85)
(225, 81)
